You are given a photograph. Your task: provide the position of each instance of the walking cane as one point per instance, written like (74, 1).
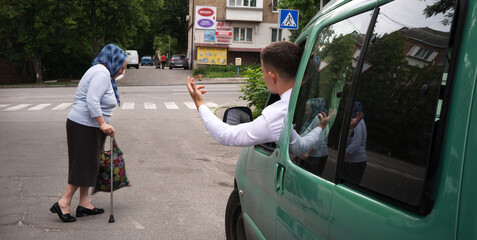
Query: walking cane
(111, 180)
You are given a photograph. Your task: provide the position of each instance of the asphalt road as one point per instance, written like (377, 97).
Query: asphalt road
(181, 177)
(151, 76)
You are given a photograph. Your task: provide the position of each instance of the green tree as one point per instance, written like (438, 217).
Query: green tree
(55, 39)
(33, 32)
(164, 43)
(116, 22)
(176, 23)
(441, 7)
(167, 19)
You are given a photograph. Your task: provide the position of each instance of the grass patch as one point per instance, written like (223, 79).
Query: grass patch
(221, 75)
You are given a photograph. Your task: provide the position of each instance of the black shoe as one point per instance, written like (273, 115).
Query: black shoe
(81, 211)
(64, 217)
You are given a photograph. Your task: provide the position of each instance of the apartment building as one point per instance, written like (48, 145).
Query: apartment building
(243, 28)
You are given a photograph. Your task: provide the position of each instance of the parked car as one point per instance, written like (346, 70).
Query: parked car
(146, 60)
(410, 67)
(133, 58)
(179, 61)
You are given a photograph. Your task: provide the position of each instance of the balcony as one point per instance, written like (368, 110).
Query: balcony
(249, 14)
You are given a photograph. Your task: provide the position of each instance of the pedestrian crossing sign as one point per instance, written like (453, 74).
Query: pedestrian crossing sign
(288, 19)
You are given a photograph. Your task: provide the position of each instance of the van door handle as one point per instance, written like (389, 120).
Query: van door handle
(279, 178)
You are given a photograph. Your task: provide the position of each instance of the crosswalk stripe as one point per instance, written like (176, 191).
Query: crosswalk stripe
(190, 105)
(150, 105)
(171, 105)
(39, 107)
(128, 105)
(17, 107)
(62, 106)
(211, 104)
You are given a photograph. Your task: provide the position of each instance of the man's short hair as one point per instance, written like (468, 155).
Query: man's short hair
(283, 57)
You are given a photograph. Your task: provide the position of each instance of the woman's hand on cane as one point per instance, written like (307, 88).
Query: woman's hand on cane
(107, 129)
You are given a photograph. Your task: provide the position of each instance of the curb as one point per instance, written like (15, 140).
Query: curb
(222, 80)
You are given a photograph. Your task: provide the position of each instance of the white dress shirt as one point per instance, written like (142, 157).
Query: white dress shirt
(266, 128)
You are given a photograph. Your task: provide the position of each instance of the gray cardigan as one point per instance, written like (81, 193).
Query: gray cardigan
(94, 97)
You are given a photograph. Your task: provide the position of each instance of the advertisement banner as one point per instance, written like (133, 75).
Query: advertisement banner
(209, 35)
(223, 33)
(205, 17)
(212, 56)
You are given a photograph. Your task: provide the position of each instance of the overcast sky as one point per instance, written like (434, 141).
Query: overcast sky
(409, 13)
(394, 16)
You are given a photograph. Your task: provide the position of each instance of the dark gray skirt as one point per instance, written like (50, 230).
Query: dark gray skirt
(84, 152)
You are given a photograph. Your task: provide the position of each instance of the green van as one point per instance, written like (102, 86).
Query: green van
(407, 170)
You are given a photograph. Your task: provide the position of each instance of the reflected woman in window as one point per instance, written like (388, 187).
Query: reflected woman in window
(355, 156)
(315, 159)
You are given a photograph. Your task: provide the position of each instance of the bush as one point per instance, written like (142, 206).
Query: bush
(255, 91)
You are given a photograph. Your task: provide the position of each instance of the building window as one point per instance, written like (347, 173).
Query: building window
(276, 35)
(242, 3)
(243, 34)
(423, 53)
(274, 5)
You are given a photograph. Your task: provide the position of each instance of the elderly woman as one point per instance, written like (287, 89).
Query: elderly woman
(315, 159)
(87, 126)
(355, 156)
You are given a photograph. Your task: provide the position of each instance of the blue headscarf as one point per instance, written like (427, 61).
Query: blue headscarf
(113, 58)
(357, 108)
(317, 105)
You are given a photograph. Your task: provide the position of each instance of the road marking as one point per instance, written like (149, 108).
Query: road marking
(211, 104)
(171, 105)
(39, 107)
(190, 105)
(128, 105)
(17, 107)
(150, 105)
(62, 106)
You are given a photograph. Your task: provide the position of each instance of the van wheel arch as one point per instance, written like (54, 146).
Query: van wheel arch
(234, 224)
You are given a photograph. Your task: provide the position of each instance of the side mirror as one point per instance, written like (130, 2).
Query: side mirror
(237, 115)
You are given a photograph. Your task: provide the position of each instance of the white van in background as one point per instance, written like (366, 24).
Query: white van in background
(133, 58)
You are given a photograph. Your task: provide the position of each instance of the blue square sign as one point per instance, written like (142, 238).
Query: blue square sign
(288, 19)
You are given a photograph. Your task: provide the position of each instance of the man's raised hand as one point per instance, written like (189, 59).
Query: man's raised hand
(196, 92)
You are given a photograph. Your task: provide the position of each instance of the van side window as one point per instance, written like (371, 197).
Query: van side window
(398, 93)
(325, 87)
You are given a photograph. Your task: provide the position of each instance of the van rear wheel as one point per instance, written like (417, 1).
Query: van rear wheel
(234, 225)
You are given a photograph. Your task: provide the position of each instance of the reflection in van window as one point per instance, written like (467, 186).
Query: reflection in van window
(325, 87)
(398, 88)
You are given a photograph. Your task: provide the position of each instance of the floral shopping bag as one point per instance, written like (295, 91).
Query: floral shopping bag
(103, 181)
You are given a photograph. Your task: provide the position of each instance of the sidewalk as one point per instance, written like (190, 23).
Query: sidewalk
(237, 80)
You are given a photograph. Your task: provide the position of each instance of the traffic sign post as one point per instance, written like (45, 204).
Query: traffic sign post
(288, 19)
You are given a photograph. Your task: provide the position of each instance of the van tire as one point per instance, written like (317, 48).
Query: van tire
(234, 225)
